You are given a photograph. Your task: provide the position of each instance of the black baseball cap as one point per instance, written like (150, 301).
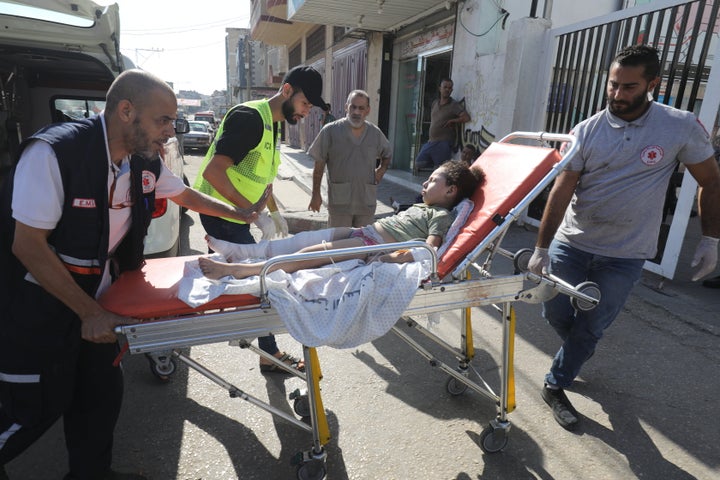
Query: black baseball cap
(309, 81)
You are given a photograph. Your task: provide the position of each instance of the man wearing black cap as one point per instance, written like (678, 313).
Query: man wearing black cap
(243, 161)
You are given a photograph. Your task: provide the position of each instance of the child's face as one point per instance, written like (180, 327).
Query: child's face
(435, 189)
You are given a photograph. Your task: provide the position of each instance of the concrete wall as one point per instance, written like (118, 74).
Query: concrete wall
(374, 70)
(562, 12)
(496, 66)
(522, 83)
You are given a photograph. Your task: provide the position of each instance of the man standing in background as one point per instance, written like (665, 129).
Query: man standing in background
(446, 113)
(350, 147)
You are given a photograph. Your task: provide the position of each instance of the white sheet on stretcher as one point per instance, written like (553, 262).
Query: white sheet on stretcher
(342, 305)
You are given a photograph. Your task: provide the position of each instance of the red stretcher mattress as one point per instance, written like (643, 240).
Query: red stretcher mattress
(151, 292)
(511, 172)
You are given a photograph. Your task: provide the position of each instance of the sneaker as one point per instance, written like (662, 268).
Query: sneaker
(563, 411)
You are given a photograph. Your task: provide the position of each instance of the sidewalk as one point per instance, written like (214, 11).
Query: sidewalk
(689, 302)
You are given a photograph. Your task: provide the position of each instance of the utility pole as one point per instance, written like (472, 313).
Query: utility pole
(248, 58)
(151, 50)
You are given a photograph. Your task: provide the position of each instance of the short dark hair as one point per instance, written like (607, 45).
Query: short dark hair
(640, 55)
(357, 93)
(466, 179)
(137, 86)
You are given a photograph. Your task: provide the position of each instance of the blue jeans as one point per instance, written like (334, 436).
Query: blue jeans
(434, 154)
(581, 331)
(236, 233)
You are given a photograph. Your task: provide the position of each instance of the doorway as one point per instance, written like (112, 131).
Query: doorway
(417, 89)
(436, 67)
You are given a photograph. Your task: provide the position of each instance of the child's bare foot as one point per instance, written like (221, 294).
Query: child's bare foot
(221, 246)
(214, 269)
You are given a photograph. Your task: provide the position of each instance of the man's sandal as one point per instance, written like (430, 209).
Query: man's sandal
(288, 360)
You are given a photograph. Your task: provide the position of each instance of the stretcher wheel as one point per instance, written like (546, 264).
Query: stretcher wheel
(455, 387)
(492, 440)
(590, 289)
(301, 405)
(521, 260)
(311, 470)
(162, 371)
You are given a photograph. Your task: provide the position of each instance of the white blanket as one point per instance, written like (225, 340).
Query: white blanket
(342, 305)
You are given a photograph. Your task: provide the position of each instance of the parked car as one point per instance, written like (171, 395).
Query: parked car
(163, 236)
(208, 116)
(63, 75)
(199, 137)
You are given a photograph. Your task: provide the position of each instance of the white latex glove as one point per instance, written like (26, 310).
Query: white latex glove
(706, 255)
(539, 262)
(281, 226)
(266, 225)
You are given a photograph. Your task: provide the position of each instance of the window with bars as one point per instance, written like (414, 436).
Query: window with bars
(682, 33)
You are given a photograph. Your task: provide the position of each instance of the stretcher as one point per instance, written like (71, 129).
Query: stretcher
(461, 279)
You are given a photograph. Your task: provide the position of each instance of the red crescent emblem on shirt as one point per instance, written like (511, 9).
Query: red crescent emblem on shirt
(148, 181)
(652, 155)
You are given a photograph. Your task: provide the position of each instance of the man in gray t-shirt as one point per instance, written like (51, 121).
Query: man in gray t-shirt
(350, 148)
(604, 211)
(446, 114)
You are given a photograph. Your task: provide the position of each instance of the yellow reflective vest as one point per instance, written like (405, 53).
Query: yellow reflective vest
(253, 173)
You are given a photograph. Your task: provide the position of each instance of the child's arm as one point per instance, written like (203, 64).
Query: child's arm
(398, 256)
(405, 256)
(434, 240)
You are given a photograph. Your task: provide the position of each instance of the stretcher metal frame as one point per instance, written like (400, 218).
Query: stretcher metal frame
(163, 338)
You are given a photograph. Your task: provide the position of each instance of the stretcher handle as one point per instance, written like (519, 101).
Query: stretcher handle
(540, 136)
(342, 252)
(584, 296)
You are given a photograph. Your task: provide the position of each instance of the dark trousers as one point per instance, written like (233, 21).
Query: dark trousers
(236, 233)
(84, 388)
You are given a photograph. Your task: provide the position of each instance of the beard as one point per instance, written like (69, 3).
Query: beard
(140, 143)
(635, 106)
(356, 122)
(288, 112)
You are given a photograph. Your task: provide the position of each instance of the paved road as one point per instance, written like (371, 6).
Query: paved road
(648, 399)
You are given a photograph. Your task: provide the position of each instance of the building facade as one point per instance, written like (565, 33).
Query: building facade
(508, 61)
(398, 51)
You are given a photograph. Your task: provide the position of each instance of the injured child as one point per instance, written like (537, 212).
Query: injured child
(444, 189)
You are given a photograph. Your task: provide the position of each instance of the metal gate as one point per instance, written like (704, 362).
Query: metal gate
(685, 33)
(682, 32)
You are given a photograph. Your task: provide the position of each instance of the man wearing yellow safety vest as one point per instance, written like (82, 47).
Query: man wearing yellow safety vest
(243, 161)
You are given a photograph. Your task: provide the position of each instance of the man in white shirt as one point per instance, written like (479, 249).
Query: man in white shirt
(73, 215)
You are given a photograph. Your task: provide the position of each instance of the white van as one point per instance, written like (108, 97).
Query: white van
(57, 60)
